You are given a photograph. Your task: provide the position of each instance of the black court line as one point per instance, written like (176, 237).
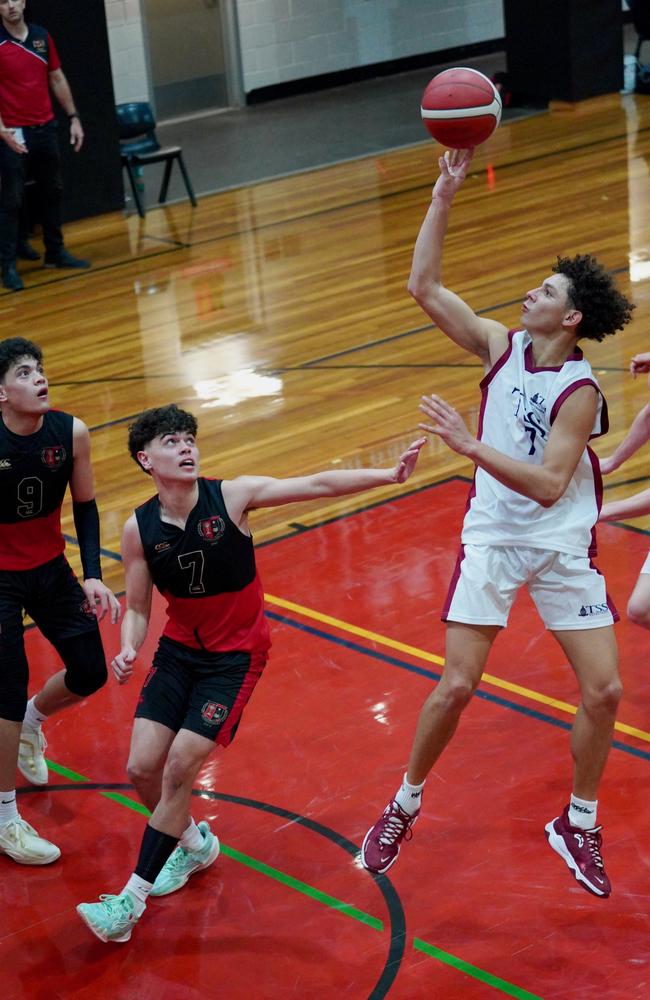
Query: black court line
(392, 900)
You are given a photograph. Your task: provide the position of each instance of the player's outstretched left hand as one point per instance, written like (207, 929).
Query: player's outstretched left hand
(447, 424)
(102, 599)
(407, 461)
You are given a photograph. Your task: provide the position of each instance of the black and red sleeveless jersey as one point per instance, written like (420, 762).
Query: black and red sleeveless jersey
(35, 470)
(207, 573)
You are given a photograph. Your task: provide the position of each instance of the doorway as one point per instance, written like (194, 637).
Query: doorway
(193, 49)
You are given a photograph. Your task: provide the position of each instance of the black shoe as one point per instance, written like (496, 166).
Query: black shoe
(24, 251)
(11, 279)
(64, 259)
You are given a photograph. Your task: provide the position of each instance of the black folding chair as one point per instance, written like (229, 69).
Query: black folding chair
(139, 147)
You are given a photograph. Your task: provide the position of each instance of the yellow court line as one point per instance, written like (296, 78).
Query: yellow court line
(422, 654)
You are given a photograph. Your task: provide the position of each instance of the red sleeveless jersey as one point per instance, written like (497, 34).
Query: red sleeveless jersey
(208, 575)
(35, 470)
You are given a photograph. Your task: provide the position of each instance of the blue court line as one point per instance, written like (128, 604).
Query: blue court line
(495, 699)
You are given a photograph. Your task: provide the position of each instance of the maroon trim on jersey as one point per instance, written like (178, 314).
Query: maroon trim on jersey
(499, 363)
(604, 416)
(25, 545)
(220, 623)
(598, 487)
(455, 577)
(577, 355)
(610, 603)
(253, 674)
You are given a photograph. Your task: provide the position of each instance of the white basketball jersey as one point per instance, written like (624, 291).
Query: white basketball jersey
(518, 407)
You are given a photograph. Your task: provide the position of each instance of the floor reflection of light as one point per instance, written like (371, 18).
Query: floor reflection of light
(379, 712)
(639, 269)
(236, 387)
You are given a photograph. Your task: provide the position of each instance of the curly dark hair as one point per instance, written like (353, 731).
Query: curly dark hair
(13, 349)
(159, 420)
(593, 293)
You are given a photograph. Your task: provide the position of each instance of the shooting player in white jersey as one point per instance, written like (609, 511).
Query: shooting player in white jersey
(533, 506)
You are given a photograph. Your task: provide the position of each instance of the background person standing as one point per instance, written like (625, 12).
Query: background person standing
(29, 68)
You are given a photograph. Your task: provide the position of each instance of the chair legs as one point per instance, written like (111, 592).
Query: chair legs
(134, 188)
(166, 177)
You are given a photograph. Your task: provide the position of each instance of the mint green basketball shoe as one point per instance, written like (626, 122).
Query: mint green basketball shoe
(112, 918)
(182, 863)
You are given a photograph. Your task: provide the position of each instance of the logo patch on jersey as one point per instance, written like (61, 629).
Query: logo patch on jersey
(39, 44)
(211, 528)
(5, 463)
(213, 713)
(161, 546)
(54, 456)
(532, 412)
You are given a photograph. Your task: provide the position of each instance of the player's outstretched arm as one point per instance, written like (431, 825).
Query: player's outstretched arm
(544, 483)
(86, 519)
(485, 338)
(248, 492)
(633, 506)
(139, 586)
(637, 436)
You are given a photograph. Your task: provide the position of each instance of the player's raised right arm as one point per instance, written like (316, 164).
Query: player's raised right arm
(485, 338)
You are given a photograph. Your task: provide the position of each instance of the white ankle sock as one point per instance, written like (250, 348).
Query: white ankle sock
(140, 890)
(409, 797)
(8, 809)
(33, 718)
(582, 813)
(192, 839)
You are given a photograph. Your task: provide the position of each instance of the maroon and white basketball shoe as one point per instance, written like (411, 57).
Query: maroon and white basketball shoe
(580, 849)
(382, 842)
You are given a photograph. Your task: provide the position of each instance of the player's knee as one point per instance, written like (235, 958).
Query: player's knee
(638, 612)
(142, 771)
(455, 692)
(85, 663)
(605, 698)
(178, 770)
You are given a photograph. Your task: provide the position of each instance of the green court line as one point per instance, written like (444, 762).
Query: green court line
(307, 890)
(321, 897)
(472, 970)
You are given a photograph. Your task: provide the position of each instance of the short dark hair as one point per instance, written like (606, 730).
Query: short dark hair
(159, 420)
(13, 349)
(593, 293)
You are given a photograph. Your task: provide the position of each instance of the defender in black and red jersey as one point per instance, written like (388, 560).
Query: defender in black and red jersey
(42, 452)
(192, 541)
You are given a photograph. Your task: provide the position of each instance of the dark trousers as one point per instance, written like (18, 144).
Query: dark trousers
(43, 162)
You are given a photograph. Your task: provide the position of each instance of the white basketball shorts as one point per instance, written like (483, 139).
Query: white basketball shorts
(568, 591)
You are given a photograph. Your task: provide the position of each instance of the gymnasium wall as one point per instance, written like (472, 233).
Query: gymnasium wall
(283, 40)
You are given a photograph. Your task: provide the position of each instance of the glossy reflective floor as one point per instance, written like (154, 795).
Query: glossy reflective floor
(278, 314)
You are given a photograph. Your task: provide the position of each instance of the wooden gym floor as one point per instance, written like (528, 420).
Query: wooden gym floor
(278, 314)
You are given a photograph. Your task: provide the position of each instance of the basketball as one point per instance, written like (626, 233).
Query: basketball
(460, 108)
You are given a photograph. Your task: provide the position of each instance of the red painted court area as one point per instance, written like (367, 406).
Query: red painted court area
(477, 906)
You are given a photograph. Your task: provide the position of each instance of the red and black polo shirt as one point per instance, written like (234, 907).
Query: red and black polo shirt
(24, 77)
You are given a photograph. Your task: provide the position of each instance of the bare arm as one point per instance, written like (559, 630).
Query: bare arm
(637, 436)
(249, 492)
(544, 483)
(61, 90)
(634, 506)
(485, 338)
(86, 519)
(139, 586)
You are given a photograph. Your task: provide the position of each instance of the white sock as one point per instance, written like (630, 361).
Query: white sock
(409, 797)
(140, 890)
(582, 813)
(192, 839)
(33, 718)
(8, 810)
